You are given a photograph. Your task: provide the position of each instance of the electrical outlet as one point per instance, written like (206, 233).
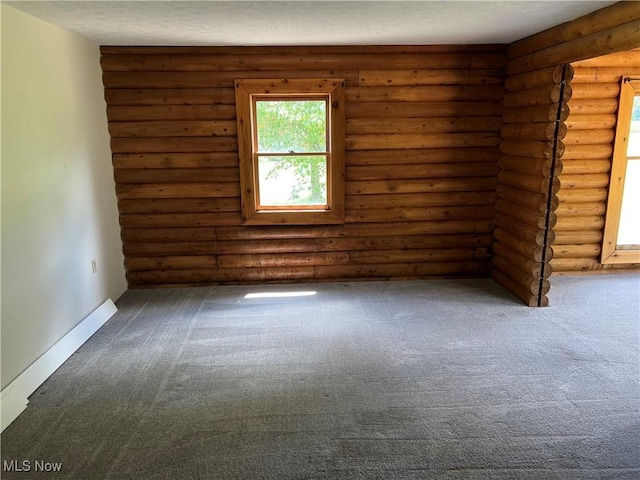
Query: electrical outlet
(94, 266)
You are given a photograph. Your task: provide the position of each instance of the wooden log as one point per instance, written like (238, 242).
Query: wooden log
(545, 95)
(530, 183)
(534, 131)
(535, 201)
(383, 78)
(592, 222)
(605, 74)
(171, 262)
(532, 284)
(422, 156)
(569, 237)
(478, 244)
(165, 220)
(595, 121)
(350, 244)
(175, 160)
(180, 128)
(592, 250)
(532, 148)
(309, 61)
(177, 175)
(537, 113)
(625, 59)
(168, 248)
(142, 113)
(425, 140)
(345, 258)
(547, 76)
(530, 166)
(528, 266)
(168, 235)
(525, 231)
(210, 79)
(445, 227)
(411, 171)
(575, 264)
(424, 109)
(522, 293)
(583, 195)
(423, 125)
(408, 270)
(175, 145)
(527, 249)
(596, 180)
(618, 38)
(169, 96)
(588, 106)
(418, 214)
(590, 23)
(178, 190)
(469, 184)
(585, 152)
(589, 137)
(441, 199)
(525, 215)
(595, 90)
(581, 209)
(448, 93)
(178, 205)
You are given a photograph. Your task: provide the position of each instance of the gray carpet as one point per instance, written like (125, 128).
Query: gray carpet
(387, 380)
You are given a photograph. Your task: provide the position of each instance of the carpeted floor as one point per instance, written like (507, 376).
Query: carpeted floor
(387, 380)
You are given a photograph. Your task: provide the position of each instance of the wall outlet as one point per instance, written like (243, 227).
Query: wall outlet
(94, 266)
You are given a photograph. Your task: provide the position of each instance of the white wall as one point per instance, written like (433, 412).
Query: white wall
(58, 203)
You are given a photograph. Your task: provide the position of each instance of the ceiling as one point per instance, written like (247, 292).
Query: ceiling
(306, 22)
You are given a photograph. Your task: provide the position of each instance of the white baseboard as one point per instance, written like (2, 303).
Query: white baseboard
(15, 397)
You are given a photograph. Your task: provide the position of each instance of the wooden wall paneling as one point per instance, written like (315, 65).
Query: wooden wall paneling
(533, 142)
(587, 160)
(423, 129)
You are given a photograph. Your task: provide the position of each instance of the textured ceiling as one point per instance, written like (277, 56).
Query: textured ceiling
(306, 22)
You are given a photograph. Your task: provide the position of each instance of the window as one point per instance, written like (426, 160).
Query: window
(621, 243)
(291, 146)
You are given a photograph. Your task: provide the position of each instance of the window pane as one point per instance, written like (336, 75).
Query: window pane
(629, 227)
(292, 180)
(286, 126)
(633, 148)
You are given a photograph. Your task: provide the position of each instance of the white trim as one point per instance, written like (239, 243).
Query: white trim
(14, 398)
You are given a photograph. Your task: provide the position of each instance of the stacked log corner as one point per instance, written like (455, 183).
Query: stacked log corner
(585, 178)
(422, 147)
(535, 109)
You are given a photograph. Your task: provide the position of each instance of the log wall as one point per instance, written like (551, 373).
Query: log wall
(533, 133)
(587, 160)
(423, 129)
(536, 139)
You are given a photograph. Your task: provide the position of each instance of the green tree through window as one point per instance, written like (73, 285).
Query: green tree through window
(294, 134)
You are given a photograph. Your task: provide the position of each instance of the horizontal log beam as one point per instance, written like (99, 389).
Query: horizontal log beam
(617, 38)
(576, 237)
(422, 156)
(386, 77)
(591, 23)
(553, 75)
(536, 201)
(424, 109)
(528, 266)
(425, 140)
(423, 125)
(536, 113)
